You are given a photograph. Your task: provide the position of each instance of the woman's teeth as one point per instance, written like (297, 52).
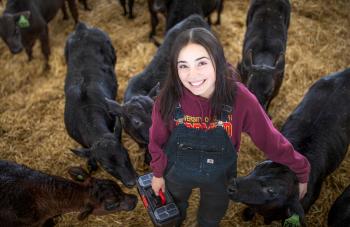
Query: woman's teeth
(197, 83)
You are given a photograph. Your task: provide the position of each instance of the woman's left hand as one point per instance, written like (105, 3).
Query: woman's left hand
(302, 190)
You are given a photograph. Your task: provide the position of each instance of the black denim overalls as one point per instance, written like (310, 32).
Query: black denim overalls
(200, 159)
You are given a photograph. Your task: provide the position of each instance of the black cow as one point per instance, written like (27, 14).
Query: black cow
(130, 7)
(264, 48)
(177, 10)
(339, 214)
(319, 128)
(32, 198)
(142, 88)
(90, 80)
(23, 22)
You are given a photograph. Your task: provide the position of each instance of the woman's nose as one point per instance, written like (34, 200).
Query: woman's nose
(194, 72)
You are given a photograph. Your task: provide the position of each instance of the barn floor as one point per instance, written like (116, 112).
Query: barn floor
(32, 130)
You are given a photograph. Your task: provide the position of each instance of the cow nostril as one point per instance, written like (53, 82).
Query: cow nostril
(16, 50)
(130, 183)
(232, 190)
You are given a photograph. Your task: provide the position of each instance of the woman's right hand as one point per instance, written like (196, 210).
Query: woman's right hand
(157, 184)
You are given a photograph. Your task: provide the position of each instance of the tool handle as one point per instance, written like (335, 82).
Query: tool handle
(162, 197)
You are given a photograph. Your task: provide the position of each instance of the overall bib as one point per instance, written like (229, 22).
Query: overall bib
(200, 159)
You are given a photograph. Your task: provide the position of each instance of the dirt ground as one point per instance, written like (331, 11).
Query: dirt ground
(32, 130)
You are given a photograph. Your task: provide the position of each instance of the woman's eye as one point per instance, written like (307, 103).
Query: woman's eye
(202, 63)
(182, 66)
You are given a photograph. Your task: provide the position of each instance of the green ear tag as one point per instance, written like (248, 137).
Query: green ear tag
(23, 22)
(292, 221)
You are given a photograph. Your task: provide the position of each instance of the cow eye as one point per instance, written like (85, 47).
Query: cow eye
(271, 191)
(136, 122)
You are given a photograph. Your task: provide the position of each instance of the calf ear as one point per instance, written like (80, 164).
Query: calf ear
(78, 174)
(82, 152)
(118, 128)
(279, 65)
(154, 91)
(114, 108)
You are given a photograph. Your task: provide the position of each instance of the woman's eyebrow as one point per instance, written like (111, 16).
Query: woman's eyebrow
(182, 61)
(201, 58)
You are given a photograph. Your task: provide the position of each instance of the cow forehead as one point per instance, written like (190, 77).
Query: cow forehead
(269, 169)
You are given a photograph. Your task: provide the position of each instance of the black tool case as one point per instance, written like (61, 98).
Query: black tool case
(162, 209)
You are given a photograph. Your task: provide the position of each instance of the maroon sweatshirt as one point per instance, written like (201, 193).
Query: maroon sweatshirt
(247, 116)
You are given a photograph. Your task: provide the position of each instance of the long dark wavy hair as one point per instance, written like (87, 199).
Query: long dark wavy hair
(225, 86)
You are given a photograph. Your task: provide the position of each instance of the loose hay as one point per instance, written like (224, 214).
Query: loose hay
(32, 101)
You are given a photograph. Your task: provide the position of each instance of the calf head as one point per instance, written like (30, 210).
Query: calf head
(111, 155)
(105, 196)
(271, 190)
(263, 80)
(10, 25)
(98, 42)
(280, 9)
(136, 115)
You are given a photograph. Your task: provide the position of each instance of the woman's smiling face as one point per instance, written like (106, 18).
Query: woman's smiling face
(196, 70)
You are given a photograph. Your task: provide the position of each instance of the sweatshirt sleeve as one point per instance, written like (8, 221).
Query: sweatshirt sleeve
(268, 139)
(158, 136)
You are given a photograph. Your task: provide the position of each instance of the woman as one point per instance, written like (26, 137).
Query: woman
(197, 122)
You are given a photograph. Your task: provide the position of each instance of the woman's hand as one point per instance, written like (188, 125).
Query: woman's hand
(302, 190)
(157, 184)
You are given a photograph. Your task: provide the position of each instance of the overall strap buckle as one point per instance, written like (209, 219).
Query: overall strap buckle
(226, 110)
(178, 114)
(219, 123)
